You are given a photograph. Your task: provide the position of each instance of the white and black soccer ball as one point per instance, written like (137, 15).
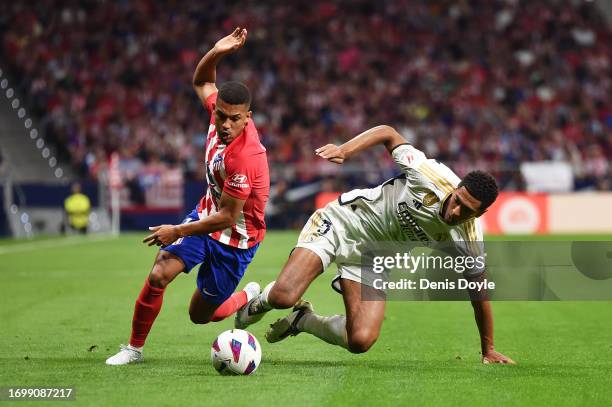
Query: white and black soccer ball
(235, 352)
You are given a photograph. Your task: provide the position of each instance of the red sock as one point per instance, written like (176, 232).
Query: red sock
(231, 305)
(147, 307)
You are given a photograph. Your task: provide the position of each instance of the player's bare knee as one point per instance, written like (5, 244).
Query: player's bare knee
(361, 341)
(156, 278)
(281, 297)
(159, 276)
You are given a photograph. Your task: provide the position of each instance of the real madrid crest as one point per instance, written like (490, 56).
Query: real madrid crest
(430, 199)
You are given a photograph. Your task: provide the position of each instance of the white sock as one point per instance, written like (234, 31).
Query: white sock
(330, 329)
(260, 303)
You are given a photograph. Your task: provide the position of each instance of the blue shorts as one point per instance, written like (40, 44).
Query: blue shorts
(222, 266)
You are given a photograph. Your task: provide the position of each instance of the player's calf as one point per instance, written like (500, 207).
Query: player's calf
(200, 310)
(363, 318)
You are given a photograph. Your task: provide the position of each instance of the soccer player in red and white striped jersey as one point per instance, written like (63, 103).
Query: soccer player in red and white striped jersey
(240, 169)
(224, 231)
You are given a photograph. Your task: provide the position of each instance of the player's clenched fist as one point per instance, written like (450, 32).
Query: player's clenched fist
(231, 42)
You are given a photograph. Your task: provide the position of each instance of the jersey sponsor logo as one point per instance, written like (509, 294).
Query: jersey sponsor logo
(239, 181)
(240, 178)
(417, 204)
(409, 224)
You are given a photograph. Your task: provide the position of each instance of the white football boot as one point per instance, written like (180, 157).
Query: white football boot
(243, 317)
(287, 326)
(127, 354)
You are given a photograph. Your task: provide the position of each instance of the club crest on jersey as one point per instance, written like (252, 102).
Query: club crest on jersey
(239, 181)
(430, 199)
(217, 162)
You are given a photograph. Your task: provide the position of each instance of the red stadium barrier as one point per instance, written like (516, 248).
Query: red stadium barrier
(517, 213)
(323, 198)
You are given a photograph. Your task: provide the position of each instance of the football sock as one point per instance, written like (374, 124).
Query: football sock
(260, 303)
(147, 307)
(230, 306)
(330, 329)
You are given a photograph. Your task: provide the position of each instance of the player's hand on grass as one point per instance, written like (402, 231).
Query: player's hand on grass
(331, 152)
(492, 356)
(232, 42)
(162, 235)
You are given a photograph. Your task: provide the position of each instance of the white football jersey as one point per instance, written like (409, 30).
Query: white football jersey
(407, 207)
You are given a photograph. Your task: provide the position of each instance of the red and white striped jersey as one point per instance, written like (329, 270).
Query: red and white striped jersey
(239, 169)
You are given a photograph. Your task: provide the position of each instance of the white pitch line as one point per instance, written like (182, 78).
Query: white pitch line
(53, 243)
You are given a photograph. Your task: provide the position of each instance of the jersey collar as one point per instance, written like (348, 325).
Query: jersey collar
(443, 197)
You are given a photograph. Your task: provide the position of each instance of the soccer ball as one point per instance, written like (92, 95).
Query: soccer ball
(235, 352)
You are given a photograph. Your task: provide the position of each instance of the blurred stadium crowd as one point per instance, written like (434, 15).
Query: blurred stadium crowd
(476, 84)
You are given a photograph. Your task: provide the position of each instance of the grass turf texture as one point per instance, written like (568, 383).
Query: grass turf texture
(64, 309)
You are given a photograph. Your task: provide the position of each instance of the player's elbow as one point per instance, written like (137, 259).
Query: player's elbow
(391, 137)
(197, 81)
(227, 219)
(387, 132)
(387, 129)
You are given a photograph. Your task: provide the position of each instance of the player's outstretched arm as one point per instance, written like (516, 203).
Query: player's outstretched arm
(484, 320)
(205, 75)
(229, 211)
(384, 134)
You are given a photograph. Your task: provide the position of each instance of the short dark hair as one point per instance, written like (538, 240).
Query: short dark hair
(481, 186)
(235, 93)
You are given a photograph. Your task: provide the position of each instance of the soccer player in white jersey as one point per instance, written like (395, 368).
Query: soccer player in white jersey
(427, 203)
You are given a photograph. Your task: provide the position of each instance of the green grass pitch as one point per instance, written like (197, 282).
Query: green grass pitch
(65, 306)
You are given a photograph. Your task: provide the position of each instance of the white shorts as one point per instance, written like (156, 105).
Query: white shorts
(329, 234)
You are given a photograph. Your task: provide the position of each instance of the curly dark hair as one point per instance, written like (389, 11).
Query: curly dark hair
(235, 93)
(482, 186)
